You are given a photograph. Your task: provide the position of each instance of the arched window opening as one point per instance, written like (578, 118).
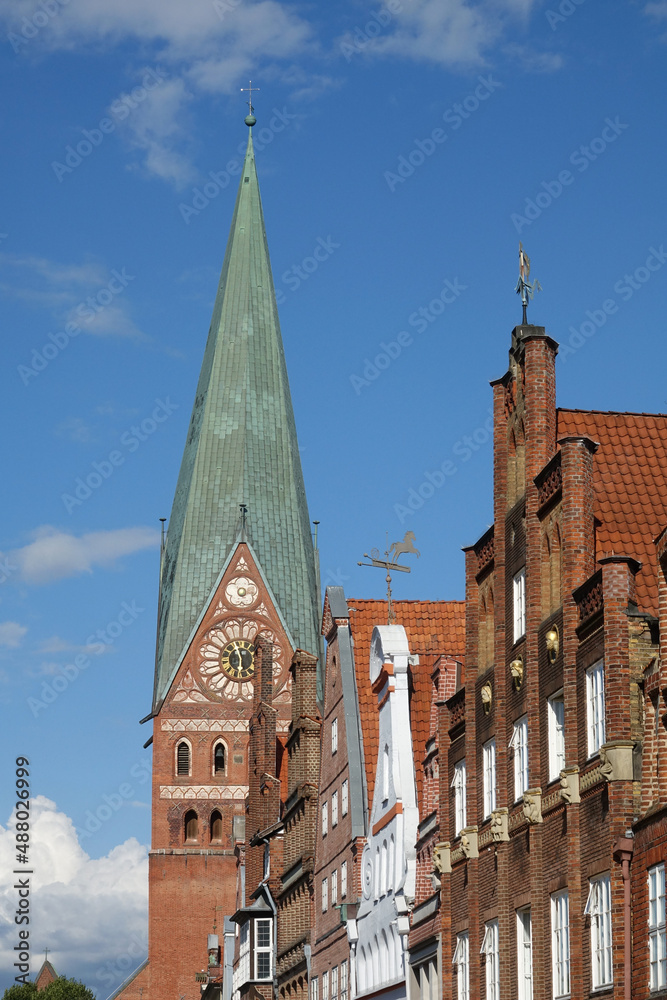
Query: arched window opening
(216, 827)
(545, 570)
(556, 568)
(383, 869)
(183, 758)
(384, 954)
(511, 469)
(219, 758)
(191, 826)
(520, 462)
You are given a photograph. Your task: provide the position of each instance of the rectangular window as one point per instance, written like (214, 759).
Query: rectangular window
(595, 707)
(556, 720)
(334, 983)
(325, 818)
(598, 908)
(334, 809)
(334, 887)
(657, 928)
(489, 776)
(519, 593)
(344, 798)
(263, 949)
(343, 880)
(461, 960)
(325, 985)
(343, 981)
(325, 899)
(519, 744)
(560, 943)
(314, 988)
(427, 978)
(492, 959)
(524, 954)
(459, 786)
(334, 736)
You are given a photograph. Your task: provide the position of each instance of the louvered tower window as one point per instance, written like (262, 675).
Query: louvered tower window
(219, 759)
(183, 759)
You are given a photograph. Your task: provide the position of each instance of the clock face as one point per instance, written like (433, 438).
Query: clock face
(238, 659)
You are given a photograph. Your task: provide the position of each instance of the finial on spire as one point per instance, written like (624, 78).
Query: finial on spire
(250, 118)
(524, 287)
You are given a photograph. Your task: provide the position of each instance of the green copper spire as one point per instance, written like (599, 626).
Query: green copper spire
(241, 449)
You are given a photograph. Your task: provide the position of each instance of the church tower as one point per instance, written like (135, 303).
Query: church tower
(238, 564)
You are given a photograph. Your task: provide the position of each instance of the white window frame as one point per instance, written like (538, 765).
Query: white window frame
(334, 887)
(263, 950)
(314, 991)
(333, 992)
(524, 953)
(519, 603)
(334, 809)
(489, 776)
(595, 708)
(556, 730)
(491, 952)
(598, 908)
(657, 928)
(343, 879)
(461, 960)
(344, 797)
(325, 900)
(560, 943)
(325, 985)
(334, 736)
(519, 744)
(459, 786)
(343, 980)
(325, 818)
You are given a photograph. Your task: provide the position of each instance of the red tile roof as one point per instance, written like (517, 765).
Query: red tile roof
(433, 628)
(630, 486)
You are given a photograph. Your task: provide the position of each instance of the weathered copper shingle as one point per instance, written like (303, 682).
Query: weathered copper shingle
(630, 486)
(433, 628)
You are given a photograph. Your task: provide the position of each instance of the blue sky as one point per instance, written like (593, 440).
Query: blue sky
(412, 145)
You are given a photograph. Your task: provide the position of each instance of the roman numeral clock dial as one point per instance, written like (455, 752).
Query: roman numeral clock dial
(227, 658)
(238, 659)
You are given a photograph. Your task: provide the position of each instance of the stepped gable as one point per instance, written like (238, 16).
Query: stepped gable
(630, 486)
(432, 628)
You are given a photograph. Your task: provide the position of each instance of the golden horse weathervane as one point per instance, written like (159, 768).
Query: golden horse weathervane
(397, 548)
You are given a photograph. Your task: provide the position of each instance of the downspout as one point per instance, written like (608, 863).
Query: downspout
(623, 853)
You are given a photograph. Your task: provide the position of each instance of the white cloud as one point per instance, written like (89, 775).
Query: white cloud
(76, 429)
(452, 33)
(92, 913)
(76, 293)
(157, 126)
(11, 634)
(55, 555)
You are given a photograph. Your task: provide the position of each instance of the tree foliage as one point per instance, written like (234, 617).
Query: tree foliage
(59, 989)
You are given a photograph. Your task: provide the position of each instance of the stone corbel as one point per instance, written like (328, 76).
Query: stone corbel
(569, 785)
(469, 842)
(500, 825)
(616, 761)
(532, 805)
(442, 858)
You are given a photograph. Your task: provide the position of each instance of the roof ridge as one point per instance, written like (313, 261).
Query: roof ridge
(610, 413)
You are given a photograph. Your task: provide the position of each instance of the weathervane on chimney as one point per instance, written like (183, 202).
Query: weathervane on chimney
(398, 548)
(524, 287)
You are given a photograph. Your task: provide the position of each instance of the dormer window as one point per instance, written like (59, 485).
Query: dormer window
(263, 948)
